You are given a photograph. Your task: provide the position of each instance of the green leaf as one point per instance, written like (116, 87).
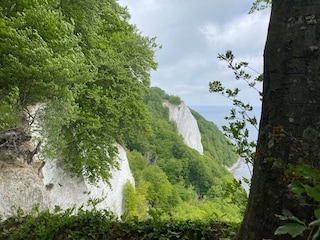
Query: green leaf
(317, 212)
(316, 235)
(294, 229)
(313, 192)
(315, 222)
(291, 218)
(296, 187)
(307, 172)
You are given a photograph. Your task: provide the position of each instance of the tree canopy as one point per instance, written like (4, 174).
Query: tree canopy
(89, 67)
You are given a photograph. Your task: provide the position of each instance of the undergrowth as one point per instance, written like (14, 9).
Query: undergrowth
(102, 224)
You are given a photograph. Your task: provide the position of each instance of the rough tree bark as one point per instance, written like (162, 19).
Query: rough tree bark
(290, 113)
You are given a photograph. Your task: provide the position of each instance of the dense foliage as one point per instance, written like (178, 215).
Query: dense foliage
(94, 224)
(87, 66)
(173, 180)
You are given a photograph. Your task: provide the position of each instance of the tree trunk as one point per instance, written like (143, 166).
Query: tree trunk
(290, 113)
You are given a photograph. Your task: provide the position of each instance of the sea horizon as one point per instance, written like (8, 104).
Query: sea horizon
(217, 114)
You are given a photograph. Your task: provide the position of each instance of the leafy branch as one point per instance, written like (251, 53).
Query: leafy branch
(259, 5)
(239, 119)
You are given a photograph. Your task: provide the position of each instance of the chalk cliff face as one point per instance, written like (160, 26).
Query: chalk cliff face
(24, 186)
(21, 185)
(186, 123)
(65, 190)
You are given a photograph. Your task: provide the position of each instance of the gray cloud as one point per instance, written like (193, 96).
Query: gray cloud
(192, 34)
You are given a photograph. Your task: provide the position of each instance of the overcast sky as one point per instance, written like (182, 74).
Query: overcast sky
(192, 33)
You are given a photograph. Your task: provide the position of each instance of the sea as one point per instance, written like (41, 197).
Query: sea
(216, 114)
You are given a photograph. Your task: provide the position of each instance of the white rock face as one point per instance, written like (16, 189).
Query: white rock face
(186, 123)
(66, 191)
(21, 185)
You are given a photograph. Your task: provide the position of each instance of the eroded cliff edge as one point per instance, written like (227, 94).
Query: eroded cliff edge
(186, 124)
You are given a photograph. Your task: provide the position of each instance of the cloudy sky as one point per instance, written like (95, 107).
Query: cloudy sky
(192, 33)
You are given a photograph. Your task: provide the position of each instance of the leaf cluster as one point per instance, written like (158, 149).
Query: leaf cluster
(259, 5)
(305, 181)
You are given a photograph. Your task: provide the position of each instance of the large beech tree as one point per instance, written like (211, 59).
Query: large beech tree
(290, 120)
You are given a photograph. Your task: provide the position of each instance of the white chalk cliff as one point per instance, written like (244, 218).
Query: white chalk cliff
(20, 186)
(186, 124)
(23, 186)
(66, 191)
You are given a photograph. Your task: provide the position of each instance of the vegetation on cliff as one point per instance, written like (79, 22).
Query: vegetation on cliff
(87, 65)
(89, 68)
(173, 180)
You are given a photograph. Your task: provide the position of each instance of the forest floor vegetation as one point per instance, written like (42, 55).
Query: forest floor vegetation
(101, 224)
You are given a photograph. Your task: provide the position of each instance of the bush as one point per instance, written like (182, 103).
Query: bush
(94, 224)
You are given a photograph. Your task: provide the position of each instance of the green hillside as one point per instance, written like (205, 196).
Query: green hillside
(176, 181)
(214, 142)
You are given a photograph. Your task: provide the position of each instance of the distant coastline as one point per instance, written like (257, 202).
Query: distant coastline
(216, 114)
(236, 166)
(241, 170)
